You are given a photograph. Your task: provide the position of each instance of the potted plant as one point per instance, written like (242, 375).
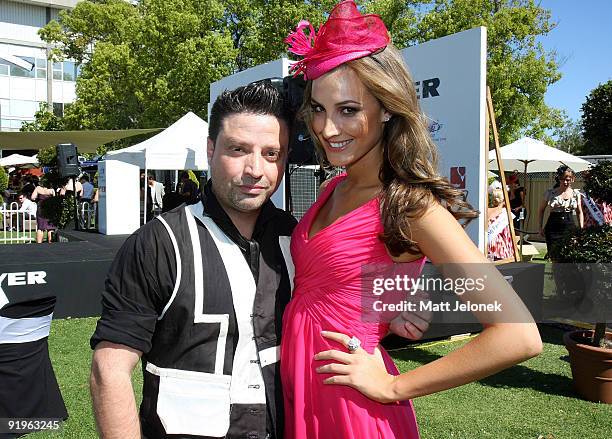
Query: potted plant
(589, 251)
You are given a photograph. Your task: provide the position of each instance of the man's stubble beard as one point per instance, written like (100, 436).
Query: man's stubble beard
(232, 198)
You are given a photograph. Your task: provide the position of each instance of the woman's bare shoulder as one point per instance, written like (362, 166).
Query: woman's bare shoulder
(442, 238)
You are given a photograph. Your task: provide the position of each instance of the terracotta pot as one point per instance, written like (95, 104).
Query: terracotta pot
(591, 366)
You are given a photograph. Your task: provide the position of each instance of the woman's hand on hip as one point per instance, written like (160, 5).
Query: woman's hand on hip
(357, 369)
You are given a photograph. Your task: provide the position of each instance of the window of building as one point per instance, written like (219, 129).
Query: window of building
(41, 68)
(58, 109)
(4, 107)
(57, 70)
(11, 124)
(69, 71)
(21, 72)
(16, 123)
(4, 67)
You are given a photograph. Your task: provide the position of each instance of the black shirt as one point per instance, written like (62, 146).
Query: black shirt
(141, 283)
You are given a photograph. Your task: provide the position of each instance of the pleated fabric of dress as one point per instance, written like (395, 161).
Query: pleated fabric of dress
(328, 296)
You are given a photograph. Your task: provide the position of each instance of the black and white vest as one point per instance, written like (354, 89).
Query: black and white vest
(213, 368)
(28, 387)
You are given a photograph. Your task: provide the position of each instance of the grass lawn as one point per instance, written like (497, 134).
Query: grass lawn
(14, 235)
(532, 400)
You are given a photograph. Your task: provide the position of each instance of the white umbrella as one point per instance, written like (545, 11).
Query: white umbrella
(533, 155)
(19, 160)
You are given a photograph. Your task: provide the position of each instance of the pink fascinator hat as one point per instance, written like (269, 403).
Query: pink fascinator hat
(347, 35)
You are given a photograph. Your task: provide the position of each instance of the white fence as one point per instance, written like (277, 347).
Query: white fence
(17, 227)
(88, 215)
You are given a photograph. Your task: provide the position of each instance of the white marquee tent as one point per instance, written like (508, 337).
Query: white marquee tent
(180, 146)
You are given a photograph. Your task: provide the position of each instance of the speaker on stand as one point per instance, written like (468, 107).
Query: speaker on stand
(68, 166)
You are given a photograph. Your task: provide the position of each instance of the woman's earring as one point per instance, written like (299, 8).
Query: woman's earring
(387, 118)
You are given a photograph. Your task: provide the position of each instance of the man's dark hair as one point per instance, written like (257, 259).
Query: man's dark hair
(85, 177)
(256, 98)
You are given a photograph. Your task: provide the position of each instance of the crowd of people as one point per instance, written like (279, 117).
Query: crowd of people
(568, 208)
(30, 192)
(160, 200)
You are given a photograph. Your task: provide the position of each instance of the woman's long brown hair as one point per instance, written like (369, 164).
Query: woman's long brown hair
(409, 171)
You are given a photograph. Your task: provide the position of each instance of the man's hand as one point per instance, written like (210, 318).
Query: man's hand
(412, 324)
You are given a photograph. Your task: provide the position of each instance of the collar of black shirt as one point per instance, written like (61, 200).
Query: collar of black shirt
(212, 208)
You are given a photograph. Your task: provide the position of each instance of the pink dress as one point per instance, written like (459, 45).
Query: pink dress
(327, 296)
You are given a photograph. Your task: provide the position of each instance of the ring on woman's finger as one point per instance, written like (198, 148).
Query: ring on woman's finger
(353, 344)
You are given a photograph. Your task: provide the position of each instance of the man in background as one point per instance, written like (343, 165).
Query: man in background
(156, 195)
(88, 189)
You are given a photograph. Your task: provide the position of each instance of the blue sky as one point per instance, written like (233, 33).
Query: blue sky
(583, 38)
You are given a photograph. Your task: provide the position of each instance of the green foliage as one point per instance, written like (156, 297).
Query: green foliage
(519, 69)
(569, 138)
(590, 245)
(47, 157)
(59, 209)
(590, 250)
(44, 120)
(597, 120)
(154, 61)
(4, 180)
(598, 182)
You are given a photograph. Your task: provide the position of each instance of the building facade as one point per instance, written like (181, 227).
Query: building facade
(27, 78)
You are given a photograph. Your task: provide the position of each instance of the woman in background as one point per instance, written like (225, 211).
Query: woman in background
(516, 196)
(564, 203)
(43, 224)
(499, 238)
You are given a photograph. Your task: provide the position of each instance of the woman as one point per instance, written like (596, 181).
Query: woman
(564, 202)
(499, 238)
(516, 196)
(43, 224)
(390, 206)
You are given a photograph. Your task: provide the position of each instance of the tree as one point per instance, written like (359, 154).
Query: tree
(4, 179)
(145, 65)
(151, 62)
(519, 71)
(569, 138)
(44, 120)
(597, 120)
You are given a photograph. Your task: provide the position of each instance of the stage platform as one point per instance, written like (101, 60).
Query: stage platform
(73, 271)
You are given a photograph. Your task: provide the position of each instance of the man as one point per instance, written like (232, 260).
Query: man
(155, 196)
(210, 369)
(88, 189)
(27, 211)
(187, 188)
